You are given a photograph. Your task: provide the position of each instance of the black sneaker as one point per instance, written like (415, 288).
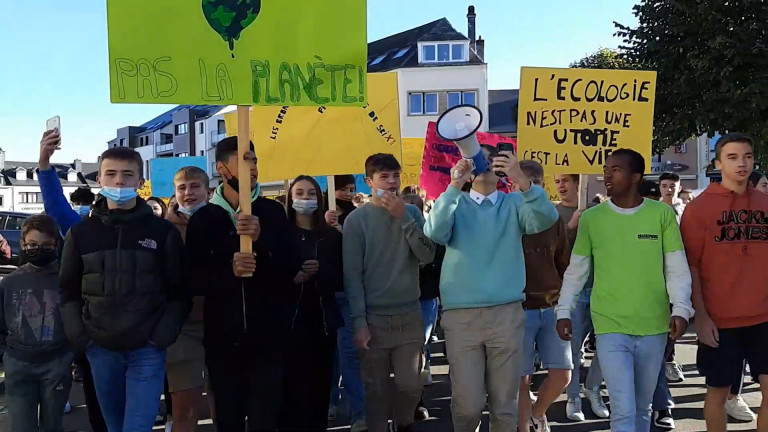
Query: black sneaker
(421, 414)
(663, 420)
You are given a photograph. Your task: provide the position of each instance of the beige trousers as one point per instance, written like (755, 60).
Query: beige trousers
(397, 344)
(485, 350)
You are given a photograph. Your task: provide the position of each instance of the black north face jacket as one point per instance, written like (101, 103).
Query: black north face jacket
(121, 280)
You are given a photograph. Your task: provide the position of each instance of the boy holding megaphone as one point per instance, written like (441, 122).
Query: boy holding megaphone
(482, 284)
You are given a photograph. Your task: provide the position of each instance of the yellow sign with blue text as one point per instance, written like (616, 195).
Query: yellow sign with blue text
(321, 141)
(570, 120)
(243, 52)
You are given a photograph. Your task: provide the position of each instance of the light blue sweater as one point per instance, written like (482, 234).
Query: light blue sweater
(484, 264)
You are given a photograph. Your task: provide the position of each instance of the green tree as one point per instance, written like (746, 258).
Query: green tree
(604, 58)
(711, 57)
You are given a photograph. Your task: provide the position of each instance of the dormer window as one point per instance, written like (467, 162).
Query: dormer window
(21, 173)
(443, 52)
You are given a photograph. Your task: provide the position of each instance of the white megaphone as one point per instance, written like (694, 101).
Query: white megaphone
(460, 124)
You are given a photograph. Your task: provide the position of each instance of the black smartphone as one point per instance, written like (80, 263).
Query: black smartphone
(507, 147)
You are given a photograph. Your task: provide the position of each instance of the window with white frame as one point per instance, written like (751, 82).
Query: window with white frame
(444, 52)
(31, 197)
(182, 128)
(461, 97)
(422, 104)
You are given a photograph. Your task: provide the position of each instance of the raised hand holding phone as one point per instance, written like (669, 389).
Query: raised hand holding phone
(50, 142)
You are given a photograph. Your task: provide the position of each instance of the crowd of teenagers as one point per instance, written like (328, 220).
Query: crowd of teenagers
(142, 295)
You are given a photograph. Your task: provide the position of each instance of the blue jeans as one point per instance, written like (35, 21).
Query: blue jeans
(662, 397)
(128, 385)
(349, 363)
(631, 366)
(429, 311)
(581, 324)
(541, 336)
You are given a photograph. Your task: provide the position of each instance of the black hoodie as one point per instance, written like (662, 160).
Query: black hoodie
(239, 312)
(121, 280)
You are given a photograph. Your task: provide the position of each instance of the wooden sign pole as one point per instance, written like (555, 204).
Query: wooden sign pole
(244, 171)
(331, 193)
(287, 187)
(583, 179)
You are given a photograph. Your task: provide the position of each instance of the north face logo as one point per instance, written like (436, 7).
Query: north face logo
(149, 244)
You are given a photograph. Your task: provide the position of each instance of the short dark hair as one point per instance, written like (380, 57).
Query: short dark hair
(227, 147)
(344, 180)
(531, 168)
(124, 154)
(634, 159)
(669, 176)
(414, 199)
(729, 138)
(755, 177)
(649, 188)
(42, 223)
(381, 162)
(82, 196)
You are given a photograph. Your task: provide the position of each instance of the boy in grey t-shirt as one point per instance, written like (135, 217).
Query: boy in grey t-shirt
(383, 247)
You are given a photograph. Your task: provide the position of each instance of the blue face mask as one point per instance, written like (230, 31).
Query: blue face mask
(82, 210)
(118, 195)
(190, 211)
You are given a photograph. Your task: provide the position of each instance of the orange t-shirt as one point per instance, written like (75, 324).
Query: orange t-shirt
(726, 240)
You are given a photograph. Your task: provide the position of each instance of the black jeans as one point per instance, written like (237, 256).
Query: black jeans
(308, 371)
(89, 391)
(245, 383)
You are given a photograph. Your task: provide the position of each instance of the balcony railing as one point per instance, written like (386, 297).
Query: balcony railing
(162, 148)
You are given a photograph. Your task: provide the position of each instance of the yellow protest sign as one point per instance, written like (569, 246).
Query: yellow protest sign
(319, 141)
(413, 151)
(570, 120)
(245, 52)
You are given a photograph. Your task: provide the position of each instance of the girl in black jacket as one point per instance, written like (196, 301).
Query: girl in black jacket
(313, 252)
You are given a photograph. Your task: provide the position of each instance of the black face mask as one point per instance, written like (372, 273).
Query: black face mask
(37, 257)
(233, 181)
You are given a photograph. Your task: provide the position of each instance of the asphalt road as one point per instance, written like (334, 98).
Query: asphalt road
(689, 397)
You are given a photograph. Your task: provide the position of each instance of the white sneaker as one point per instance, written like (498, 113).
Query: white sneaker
(596, 402)
(359, 426)
(532, 397)
(540, 424)
(673, 372)
(573, 409)
(67, 408)
(739, 409)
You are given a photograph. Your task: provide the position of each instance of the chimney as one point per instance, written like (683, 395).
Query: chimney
(2, 159)
(471, 23)
(78, 165)
(480, 49)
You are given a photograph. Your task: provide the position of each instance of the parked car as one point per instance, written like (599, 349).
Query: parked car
(10, 229)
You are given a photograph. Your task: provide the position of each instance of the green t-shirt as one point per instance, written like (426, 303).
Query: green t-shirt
(629, 295)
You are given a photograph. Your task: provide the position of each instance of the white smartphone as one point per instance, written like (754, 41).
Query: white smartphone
(53, 123)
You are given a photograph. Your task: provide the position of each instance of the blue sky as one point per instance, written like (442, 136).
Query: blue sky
(54, 58)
